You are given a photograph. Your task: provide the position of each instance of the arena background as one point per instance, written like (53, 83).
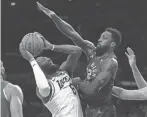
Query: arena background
(89, 18)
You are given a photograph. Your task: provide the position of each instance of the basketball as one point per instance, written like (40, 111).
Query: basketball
(33, 43)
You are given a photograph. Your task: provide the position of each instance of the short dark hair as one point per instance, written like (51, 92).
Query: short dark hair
(116, 35)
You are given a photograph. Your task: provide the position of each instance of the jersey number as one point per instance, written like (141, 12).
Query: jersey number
(73, 88)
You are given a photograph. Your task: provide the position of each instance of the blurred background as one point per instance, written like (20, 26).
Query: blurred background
(89, 18)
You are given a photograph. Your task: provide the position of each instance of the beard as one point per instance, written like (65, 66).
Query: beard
(100, 50)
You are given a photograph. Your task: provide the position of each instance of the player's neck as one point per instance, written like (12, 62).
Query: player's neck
(109, 52)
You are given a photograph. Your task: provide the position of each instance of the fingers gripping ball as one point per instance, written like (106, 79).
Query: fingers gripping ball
(33, 43)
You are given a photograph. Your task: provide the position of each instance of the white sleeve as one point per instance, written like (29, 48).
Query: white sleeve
(40, 77)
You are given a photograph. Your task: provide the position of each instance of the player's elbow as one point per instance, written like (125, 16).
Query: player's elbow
(44, 92)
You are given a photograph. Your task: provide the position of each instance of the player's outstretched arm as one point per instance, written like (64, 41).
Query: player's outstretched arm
(16, 101)
(68, 30)
(40, 77)
(141, 83)
(124, 94)
(109, 69)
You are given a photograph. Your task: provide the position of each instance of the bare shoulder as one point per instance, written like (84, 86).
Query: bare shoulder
(15, 90)
(110, 63)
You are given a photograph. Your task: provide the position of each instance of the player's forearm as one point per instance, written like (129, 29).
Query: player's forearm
(129, 94)
(141, 83)
(40, 78)
(89, 87)
(68, 49)
(63, 26)
(85, 87)
(97, 84)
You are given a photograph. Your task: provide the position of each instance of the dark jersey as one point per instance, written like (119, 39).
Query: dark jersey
(5, 104)
(103, 95)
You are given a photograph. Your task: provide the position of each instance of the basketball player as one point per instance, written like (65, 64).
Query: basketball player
(54, 83)
(141, 93)
(11, 97)
(101, 69)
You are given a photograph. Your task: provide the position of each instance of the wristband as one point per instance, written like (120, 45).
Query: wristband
(33, 62)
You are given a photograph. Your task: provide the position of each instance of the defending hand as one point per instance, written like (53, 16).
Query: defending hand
(131, 57)
(45, 10)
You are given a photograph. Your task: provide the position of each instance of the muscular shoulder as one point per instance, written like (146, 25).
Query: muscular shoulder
(14, 90)
(110, 64)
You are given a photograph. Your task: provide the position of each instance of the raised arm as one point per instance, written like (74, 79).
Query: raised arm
(109, 69)
(124, 94)
(40, 77)
(68, 30)
(141, 83)
(73, 52)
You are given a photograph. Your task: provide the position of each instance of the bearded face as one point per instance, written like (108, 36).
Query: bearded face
(104, 43)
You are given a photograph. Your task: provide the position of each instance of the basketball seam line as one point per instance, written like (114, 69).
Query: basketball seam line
(26, 41)
(39, 42)
(33, 45)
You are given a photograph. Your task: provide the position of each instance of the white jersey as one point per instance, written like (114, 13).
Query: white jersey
(63, 100)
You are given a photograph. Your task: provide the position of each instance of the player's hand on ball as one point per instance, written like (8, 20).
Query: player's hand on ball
(47, 44)
(25, 54)
(45, 10)
(76, 81)
(131, 56)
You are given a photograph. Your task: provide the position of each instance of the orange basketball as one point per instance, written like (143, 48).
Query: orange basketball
(33, 43)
